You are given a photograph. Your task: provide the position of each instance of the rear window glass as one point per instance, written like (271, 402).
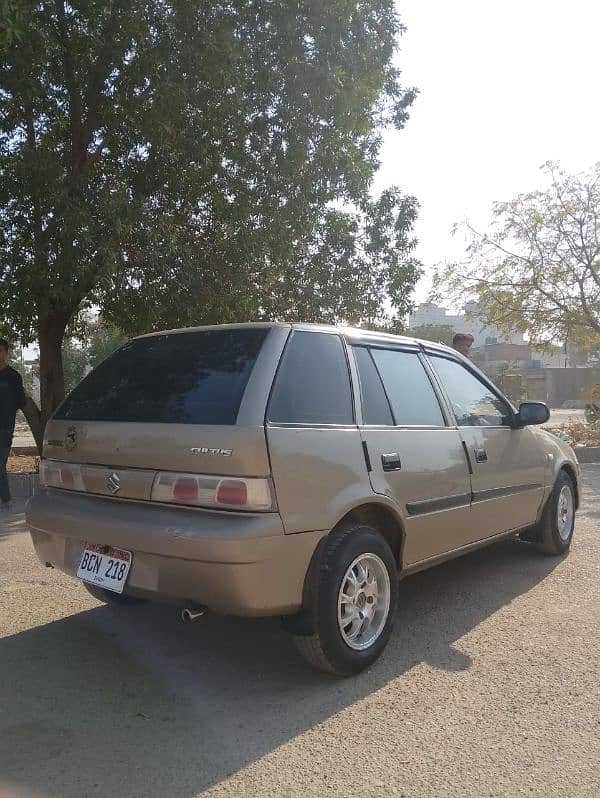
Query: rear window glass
(313, 384)
(180, 378)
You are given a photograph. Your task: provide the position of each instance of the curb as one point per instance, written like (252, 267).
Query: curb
(29, 450)
(587, 454)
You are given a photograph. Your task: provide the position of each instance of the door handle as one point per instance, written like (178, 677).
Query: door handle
(391, 461)
(480, 455)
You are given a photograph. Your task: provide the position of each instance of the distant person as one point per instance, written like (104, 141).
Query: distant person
(12, 398)
(463, 342)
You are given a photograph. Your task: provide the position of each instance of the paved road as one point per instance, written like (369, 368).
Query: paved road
(490, 687)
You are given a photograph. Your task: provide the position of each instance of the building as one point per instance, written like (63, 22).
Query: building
(430, 313)
(519, 356)
(561, 376)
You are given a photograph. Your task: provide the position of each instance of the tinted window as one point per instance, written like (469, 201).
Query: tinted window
(473, 402)
(375, 406)
(408, 388)
(181, 378)
(312, 384)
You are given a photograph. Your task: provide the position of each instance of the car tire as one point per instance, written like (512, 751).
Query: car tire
(352, 602)
(110, 597)
(554, 533)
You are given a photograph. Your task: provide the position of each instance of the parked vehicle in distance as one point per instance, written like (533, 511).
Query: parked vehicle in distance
(291, 470)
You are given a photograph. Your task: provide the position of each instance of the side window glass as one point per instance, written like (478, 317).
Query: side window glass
(411, 395)
(473, 402)
(375, 406)
(312, 384)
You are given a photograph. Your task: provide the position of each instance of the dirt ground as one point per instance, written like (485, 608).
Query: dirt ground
(22, 464)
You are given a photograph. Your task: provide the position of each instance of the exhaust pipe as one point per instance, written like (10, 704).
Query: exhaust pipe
(190, 614)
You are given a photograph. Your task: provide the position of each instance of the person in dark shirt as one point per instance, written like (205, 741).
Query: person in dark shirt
(12, 398)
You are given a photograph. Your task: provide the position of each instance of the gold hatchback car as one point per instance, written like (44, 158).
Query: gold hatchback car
(292, 470)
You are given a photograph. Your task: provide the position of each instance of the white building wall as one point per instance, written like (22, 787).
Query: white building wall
(430, 313)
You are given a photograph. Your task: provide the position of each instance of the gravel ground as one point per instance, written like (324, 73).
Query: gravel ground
(21, 464)
(561, 417)
(489, 687)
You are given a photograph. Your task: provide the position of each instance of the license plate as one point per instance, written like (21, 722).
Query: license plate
(104, 566)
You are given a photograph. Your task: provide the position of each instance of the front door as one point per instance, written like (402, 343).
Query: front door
(416, 458)
(508, 464)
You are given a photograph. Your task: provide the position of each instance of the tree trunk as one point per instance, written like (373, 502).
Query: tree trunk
(52, 379)
(34, 418)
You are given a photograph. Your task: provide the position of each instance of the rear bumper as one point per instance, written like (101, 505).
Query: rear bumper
(234, 563)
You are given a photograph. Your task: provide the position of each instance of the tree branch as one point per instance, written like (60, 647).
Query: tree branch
(586, 309)
(75, 121)
(38, 232)
(109, 52)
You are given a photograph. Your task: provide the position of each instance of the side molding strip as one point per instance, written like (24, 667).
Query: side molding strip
(441, 503)
(463, 499)
(494, 493)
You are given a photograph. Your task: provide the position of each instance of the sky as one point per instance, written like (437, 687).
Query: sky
(504, 87)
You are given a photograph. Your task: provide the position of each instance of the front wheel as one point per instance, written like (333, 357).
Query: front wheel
(555, 532)
(353, 602)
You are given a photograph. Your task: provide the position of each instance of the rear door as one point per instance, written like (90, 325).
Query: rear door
(508, 464)
(416, 458)
(315, 448)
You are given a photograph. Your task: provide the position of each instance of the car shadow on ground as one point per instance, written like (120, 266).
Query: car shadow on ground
(131, 702)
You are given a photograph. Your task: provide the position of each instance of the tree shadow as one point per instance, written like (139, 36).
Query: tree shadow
(131, 702)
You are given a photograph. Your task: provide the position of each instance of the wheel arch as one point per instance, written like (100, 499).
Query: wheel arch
(378, 515)
(571, 471)
(383, 519)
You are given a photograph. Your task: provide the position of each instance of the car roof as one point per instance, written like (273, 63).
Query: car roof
(353, 334)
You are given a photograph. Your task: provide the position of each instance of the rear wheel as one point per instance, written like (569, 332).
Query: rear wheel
(110, 597)
(353, 602)
(554, 533)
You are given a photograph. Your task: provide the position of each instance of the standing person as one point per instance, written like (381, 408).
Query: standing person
(12, 398)
(463, 342)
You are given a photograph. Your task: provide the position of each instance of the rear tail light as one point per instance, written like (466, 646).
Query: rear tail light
(232, 493)
(185, 489)
(61, 475)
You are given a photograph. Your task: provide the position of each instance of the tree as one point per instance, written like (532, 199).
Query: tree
(95, 341)
(193, 162)
(537, 270)
(102, 340)
(11, 22)
(16, 361)
(75, 360)
(440, 333)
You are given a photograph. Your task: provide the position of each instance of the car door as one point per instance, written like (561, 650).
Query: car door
(315, 449)
(415, 457)
(508, 464)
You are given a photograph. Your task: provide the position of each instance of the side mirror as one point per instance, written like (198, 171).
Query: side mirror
(532, 413)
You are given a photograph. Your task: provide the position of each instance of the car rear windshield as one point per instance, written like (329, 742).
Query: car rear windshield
(177, 378)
